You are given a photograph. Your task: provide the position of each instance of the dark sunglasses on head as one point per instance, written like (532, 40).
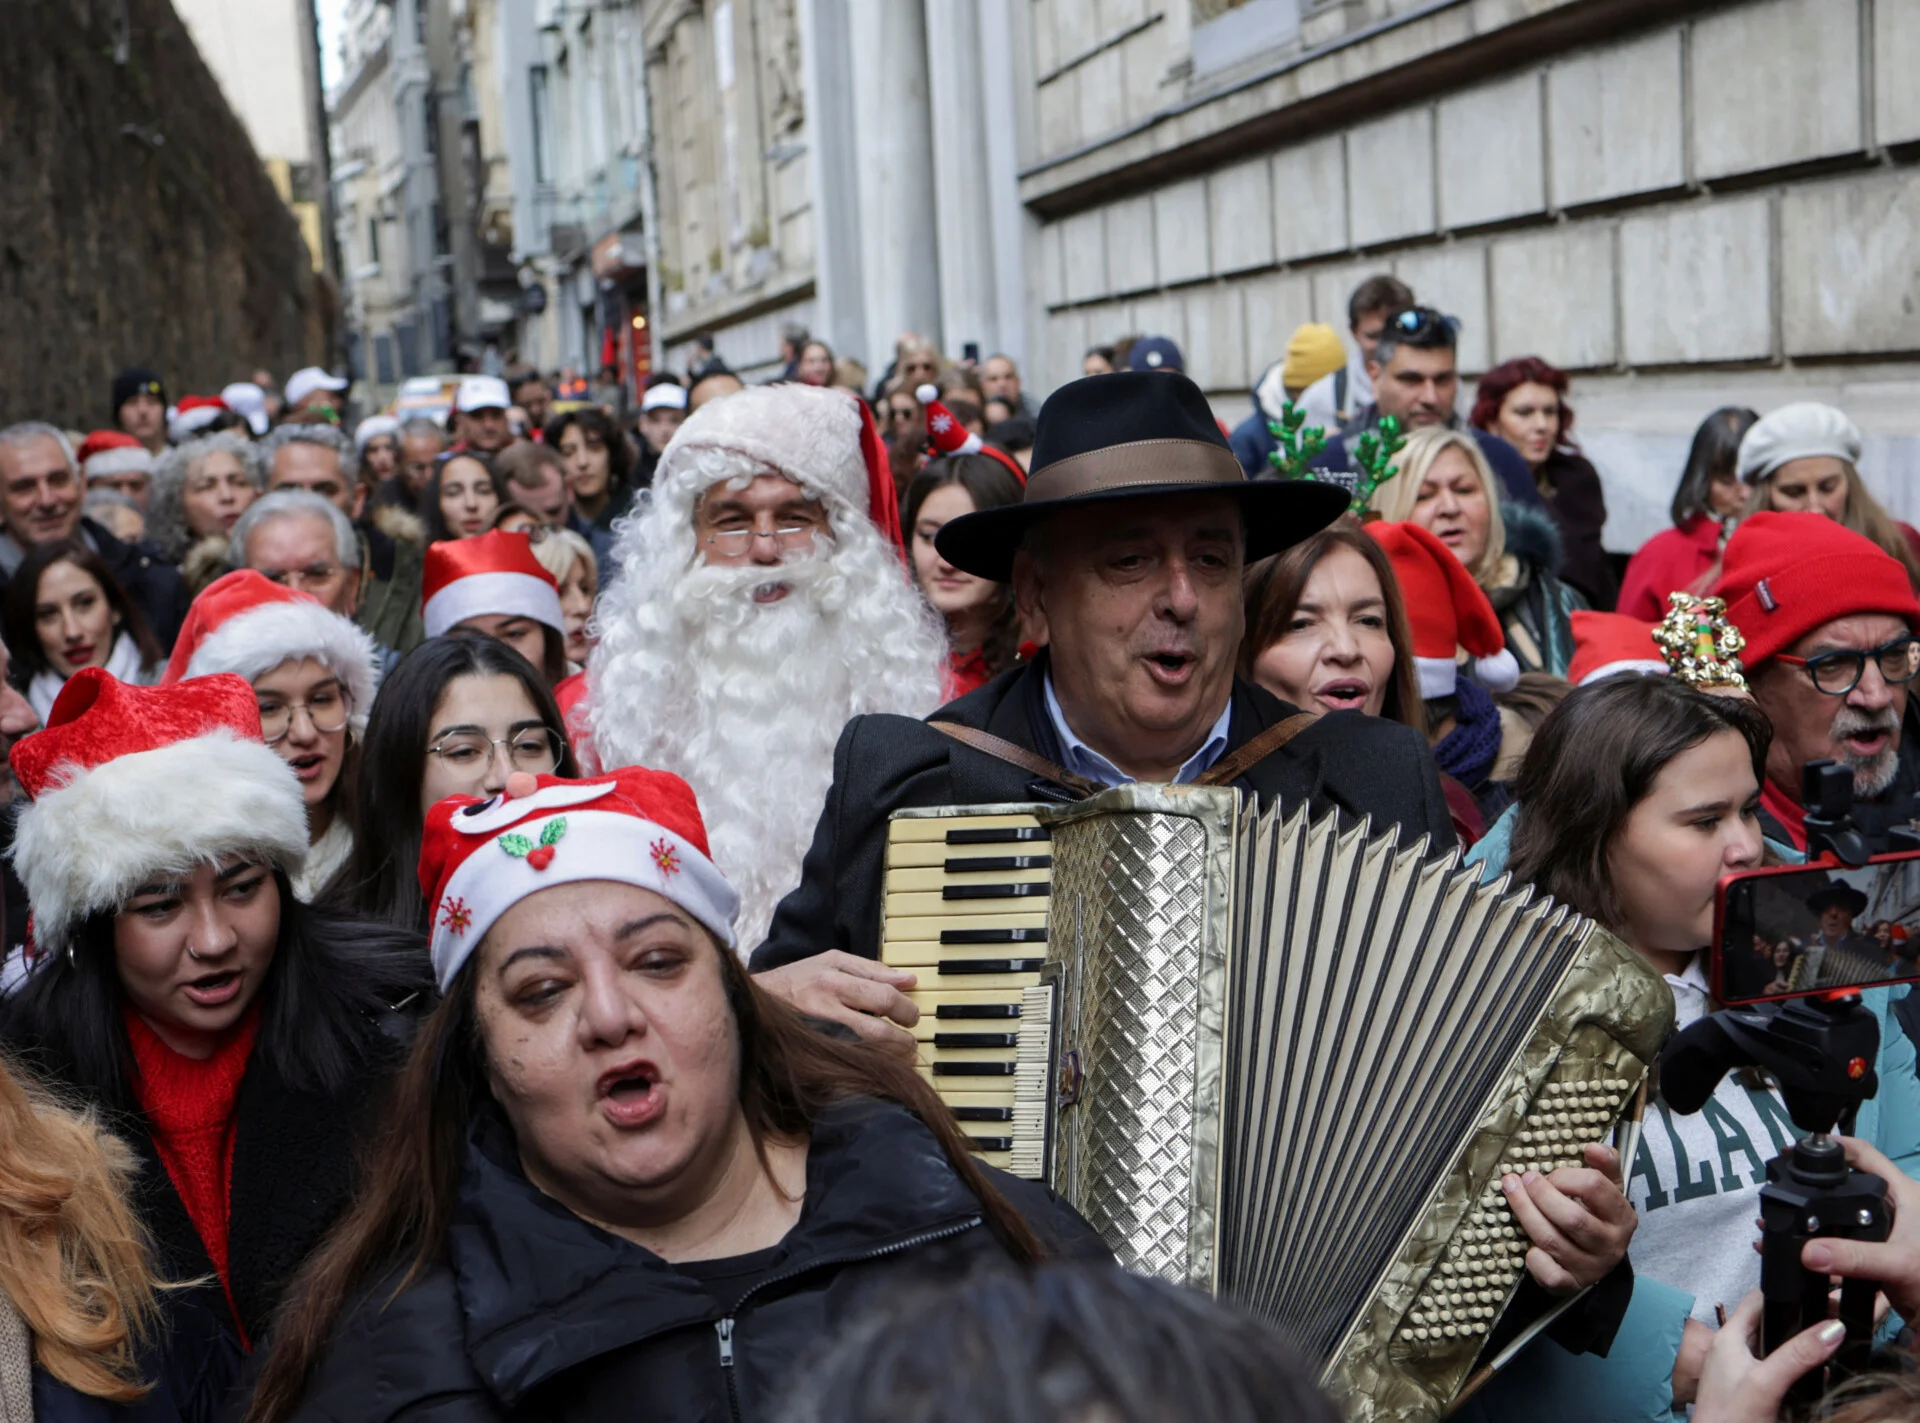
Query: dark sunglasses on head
(1414, 322)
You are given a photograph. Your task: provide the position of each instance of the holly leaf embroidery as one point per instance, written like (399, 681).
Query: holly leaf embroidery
(517, 845)
(555, 829)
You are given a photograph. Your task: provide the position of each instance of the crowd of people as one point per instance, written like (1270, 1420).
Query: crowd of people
(445, 858)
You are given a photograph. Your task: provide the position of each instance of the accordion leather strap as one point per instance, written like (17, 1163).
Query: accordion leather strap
(1230, 767)
(1001, 749)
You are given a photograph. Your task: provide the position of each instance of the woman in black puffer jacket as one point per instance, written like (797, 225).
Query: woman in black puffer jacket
(618, 1176)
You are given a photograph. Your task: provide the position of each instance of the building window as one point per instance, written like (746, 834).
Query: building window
(542, 125)
(373, 240)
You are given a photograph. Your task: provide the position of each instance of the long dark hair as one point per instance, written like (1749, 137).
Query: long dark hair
(331, 979)
(432, 521)
(379, 878)
(790, 1072)
(23, 595)
(1273, 587)
(1715, 450)
(1592, 761)
(992, 486)
(596, 422)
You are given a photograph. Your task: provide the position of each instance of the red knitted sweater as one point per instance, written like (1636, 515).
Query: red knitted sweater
(190, 1104)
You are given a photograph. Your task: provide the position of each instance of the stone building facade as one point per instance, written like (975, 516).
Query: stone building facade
(1686, 204)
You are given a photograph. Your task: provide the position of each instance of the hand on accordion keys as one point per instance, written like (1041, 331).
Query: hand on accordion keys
(1578, 1219)
(858, 993)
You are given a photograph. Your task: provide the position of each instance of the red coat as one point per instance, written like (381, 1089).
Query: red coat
(1672, 559)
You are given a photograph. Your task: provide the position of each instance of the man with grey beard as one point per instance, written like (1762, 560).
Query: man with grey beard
(1829, 618)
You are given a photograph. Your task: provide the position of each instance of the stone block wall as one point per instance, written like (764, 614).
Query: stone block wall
(140, 227)
(1730, 190)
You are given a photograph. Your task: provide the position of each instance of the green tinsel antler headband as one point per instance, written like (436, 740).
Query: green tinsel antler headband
(1298, 447)
(1374, 452)
(1300, 444)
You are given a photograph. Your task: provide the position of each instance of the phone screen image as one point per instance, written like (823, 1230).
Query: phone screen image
(1811, 929)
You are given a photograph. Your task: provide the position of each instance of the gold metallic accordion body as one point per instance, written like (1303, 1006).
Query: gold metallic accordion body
(1273, 1057)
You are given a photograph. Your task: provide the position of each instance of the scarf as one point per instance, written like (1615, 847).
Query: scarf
(123, 662)
(1467, 752)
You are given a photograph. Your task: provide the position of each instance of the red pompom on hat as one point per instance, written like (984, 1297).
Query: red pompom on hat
(1786, 574)
(132, 783)
(489, 574)
(247, 624)
(1447, 611)
(949, 437)
(479, 858)
(1608, 643)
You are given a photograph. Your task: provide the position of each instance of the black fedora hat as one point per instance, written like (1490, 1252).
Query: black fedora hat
(1838, 895)
(1131, 435)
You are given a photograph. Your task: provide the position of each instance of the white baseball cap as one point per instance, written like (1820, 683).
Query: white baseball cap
(664, 397)
(245, 398)
(482, 393)
(307, 380)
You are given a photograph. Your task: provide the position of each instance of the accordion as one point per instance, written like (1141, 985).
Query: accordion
(1277, 1057)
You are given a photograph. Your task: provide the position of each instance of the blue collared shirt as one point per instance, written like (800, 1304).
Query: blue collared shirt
(1083, 760)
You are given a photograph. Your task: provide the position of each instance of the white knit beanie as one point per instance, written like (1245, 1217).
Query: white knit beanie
(1798, 431)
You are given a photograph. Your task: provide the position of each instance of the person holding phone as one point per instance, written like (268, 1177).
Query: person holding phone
(1637, 796)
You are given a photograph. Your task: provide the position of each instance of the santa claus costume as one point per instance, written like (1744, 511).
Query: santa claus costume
(699, 673)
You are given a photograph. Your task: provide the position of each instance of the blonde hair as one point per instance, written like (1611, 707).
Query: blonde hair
(559, 549)
(1865, 516)
(1395, 498)
(73, 1260)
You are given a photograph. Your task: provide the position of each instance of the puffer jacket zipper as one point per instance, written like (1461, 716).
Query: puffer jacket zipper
(724, 1327)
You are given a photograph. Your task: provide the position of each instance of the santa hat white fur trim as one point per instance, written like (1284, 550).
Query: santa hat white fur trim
(1440, 676)
(502, 594)
(121, 459)
(257, 641)
(85, 845)
(1437, 676)
(1645, 667)
(807, 433)
(598, 845)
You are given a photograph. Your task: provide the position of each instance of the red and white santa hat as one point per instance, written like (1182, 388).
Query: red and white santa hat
(479, 858)
(107, 452)
(247, 624)
(493, 573)
(949, 437)
(192, 415)
(1447, 612)
(134, 783)
(1606, 644)
(821, 438)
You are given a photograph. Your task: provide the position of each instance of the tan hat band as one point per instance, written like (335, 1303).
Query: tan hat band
(1143, 462)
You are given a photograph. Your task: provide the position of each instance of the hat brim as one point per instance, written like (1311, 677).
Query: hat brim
(1838, 896)
(1277, 513)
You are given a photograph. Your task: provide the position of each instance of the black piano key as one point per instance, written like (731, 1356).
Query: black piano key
(993, 936)
(990, 1143)
(991, 965)
(985, 863)
(977, 1010)
(976, 1040)
(983, 1114)
(1005, 835)
(973, 1069)
(1037, 890)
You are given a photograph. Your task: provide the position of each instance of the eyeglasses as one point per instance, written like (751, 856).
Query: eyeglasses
(1837, 673)
(536, 749)
(1416, 320)
(300, 579)
(327, 713)
(738, 541)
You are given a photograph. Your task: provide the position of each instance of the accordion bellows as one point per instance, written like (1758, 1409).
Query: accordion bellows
(1280, 1058)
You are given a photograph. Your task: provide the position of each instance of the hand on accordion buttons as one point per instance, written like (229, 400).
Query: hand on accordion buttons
(1578, 1219)
(861, 994)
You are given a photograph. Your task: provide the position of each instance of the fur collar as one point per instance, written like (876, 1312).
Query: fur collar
(1532, 537)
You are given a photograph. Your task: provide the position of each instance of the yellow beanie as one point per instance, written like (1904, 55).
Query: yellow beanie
(1314, 350)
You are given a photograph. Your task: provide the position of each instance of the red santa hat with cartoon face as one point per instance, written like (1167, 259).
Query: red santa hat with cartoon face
(245, 623)
(1447, 612)
(949, 437)
(133, 783)
(493, 573)
(479, 858)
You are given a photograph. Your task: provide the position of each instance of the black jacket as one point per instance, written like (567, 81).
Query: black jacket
(1579, 506)
(535, 1314)
(1363, 765)
(154, 585)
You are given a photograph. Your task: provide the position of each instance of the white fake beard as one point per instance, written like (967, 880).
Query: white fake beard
(746, 700)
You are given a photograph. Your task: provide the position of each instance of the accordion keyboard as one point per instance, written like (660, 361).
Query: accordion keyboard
(966, 910)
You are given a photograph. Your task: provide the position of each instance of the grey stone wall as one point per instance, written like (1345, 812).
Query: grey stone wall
(139, 227)
(1717, 202)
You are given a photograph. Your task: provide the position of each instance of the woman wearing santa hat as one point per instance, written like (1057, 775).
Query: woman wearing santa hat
(314, 673)
(234, 1038)
(494, 584)
(615, 1168)
(64, 610)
